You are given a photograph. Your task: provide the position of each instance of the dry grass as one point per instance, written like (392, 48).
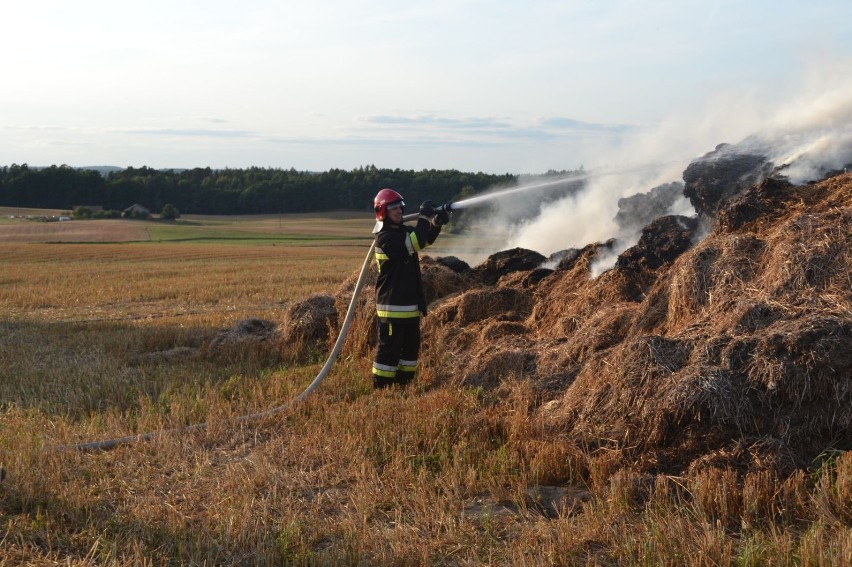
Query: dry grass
(435, 475)
(212, 283)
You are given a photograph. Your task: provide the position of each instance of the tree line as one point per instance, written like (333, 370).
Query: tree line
(233, 191)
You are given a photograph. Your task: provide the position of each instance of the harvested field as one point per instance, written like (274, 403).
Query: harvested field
(96, 282)
(690, 405)
(108, 230)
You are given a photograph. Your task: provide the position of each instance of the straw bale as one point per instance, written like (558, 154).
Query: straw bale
(440, 280)
(499, 329)
(810, 252)
(496, 365)
(718, 175)
(508, 261)
(528, 279)
(246, 330)
(625, 387)
(661, 242)
(568, 296)
(564, 260)
(555, 368)
(749, 316)
(249, 336)
(485, 303)
(455, 264)
(702, 284)
(307, 326)
(601, 330)
(805, 361)
(640, 209)
(757, 206)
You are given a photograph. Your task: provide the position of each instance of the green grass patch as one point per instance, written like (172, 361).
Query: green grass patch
(203, 233)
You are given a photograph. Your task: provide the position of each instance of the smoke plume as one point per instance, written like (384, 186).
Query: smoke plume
(804, 134)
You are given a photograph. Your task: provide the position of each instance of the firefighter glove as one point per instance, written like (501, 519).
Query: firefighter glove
(441, 218)
(427, 209)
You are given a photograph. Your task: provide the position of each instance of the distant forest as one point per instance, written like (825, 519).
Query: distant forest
(233, 191)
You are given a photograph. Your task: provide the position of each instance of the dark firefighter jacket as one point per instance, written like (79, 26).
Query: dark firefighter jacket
(399, 288)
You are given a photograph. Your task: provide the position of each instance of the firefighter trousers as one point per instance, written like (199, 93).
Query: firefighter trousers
(396, 354)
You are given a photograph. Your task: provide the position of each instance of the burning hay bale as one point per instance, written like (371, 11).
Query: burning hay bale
(453, 263)
(503, 263)
(721, 174)
(641, 209)
(731, 352)
(661, 243)
(734, 352)
(762, 203)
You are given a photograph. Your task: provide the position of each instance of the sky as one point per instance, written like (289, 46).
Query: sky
(493, 86)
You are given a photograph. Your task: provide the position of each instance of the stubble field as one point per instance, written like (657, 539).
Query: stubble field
(93, 336)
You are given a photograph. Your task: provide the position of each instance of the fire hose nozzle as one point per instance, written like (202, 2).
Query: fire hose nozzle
(446, 207)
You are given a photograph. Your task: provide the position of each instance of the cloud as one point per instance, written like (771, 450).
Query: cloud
(416, 141)
(432, 120)
(189, 132)
(498, 131)
(562, 123)
(33, 128)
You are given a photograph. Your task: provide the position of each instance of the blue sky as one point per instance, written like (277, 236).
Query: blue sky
(517, 87)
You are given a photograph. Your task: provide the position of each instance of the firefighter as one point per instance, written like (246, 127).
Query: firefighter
(400, 301)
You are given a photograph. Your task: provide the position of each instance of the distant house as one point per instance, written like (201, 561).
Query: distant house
(136, 211)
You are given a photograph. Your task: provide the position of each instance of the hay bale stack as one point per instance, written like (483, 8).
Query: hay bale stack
(440, 279)
(733, 352)
(740, 354)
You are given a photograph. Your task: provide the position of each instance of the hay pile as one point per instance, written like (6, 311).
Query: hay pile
(305, 329)
(735, 352)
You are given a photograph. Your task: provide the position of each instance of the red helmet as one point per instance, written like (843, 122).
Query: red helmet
(384, 198)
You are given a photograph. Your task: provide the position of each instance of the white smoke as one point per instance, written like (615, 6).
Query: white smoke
(807, 129)
(815, 136)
